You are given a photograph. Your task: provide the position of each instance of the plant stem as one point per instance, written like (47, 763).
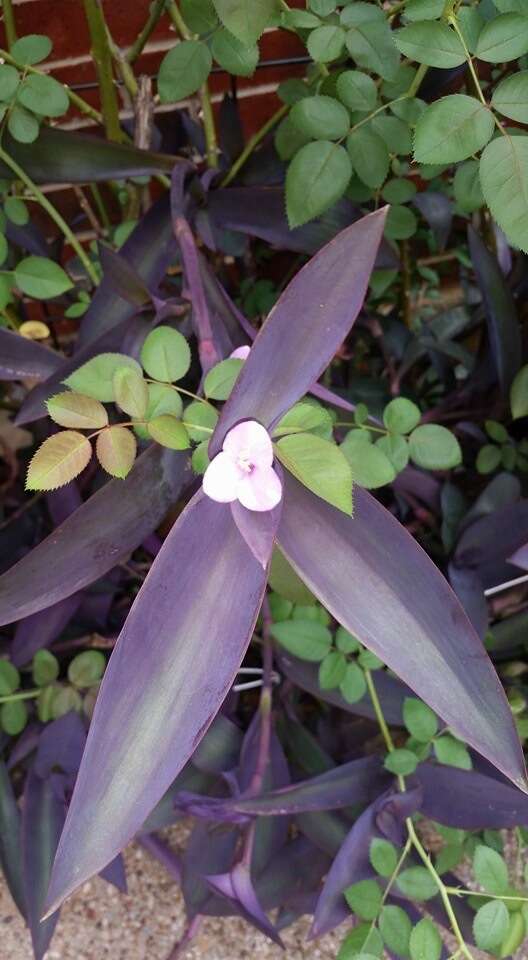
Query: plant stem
(103, 65)
(252, 143)
(23, 695)
(143, 36)
(413, 836)
(453, 21)
(177, 20)
(186, 392)
(123, 66)
(417, 82)
(53, 213)
(9, 22)
(461, 892)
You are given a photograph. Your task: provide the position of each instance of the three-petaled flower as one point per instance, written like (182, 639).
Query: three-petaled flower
(243, 469)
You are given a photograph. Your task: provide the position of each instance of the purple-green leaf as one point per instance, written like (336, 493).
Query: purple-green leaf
(83, 548)
(381, 586)
(21, 358)
(172, 666)
(305, 328)
(42, 821)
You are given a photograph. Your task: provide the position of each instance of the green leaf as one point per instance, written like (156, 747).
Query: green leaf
(425, 942)
(320, 465)
(199, 415)
(394, 132)
(401, 223)
(353, 685)
(420, 720)
(326, 43)
(503, 175)
(503, 38)
(23, 125)
(490, 871)
(169, 431)
(13, 717)
(519, 394)
(452, 129)
(289, 139)
(165, 355)
(424, 9)
(41, 278)
(77, 411)
(200, 457)
(87, 668)
(357, 90)
(396, 449)
(305, 639)
(43, 95)
(395, 928)
(320, 116)
(322, 7)
(183, 70)
(417, 884)
(467, 188)
(345, 641)
(9, 80)
(434, 44)
(9, 678)
(199, 15)
(44, 668)
(364, 899)
(95, 378)
(497, 431)
(131, 391)
(383, 856)
(60, 458)
(370, 467)
(284, 580)
(16, 211)
(452, 752)
(398, 191)
(362, 939)
(221, 379)
(515, 935)
(63, 700)
(300, 20)
(317, 177)
(401, 761)
(371, 45)
(488, 458)
(369, 155)
(31, 49)
(116, 451)
(401, 415)
(237, 58)
(247, 19)
(305, 417)
(369, 660)
(434, 447)
(511, 97)
(332, 670)
(470, 22)
(490, 925)
(4, 250)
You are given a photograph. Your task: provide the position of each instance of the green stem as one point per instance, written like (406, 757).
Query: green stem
(209, 127)
(417, 82)
(53, 213)
(186, 392)
(461, 892)
(103, 64)
(453, 21)
(77, 101)
(9, 22)
(25, 695)
(143, 36)
(101, 209)
(197, 426)
(177, 20)
(127, 74)
(252, 143)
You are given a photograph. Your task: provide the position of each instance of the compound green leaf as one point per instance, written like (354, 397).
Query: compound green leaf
(317, 177)
(432, 43)
(452, 129)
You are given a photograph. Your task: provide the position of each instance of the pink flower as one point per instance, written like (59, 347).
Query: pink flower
(243, 469)
(241, 353)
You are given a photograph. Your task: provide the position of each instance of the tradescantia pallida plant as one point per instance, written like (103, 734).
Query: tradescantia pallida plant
(364, 567)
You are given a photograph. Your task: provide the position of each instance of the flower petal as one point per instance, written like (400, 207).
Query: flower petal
(252, 440)
(221, 479)
(241, 353)
(260, 490)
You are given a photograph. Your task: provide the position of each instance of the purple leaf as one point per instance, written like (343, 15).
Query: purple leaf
(114, 873)
(347, 785)
(122, 278)
(437, 210)
(209, 851)
(42, 821)
(520, 557)
(469, 589)
(494, 536)
(82, 548)
(66, 157)
(470, 800)
(305, 328)
(503, 325)
(61, 744)
(41, 629)
(380, 585)
(159, 694)
(10, 840)
(257, 530)
(22, 359)
(237, 886)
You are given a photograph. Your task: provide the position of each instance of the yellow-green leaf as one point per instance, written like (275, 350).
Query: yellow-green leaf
(60, 458)
(131, 391)
(116, 451)
(77, 411)
(169, 431)
(320, 466)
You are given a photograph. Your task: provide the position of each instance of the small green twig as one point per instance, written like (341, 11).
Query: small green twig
(252, 143)
(103, 64)
(23, 695)
(453, 21)
(53, 213)
(9, 22)
(143, 36)
(177, 20)
(461, 892)
(186, 392)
